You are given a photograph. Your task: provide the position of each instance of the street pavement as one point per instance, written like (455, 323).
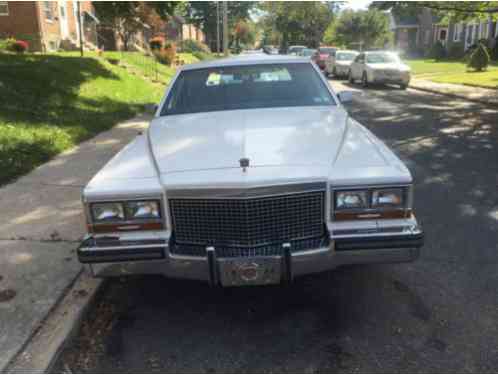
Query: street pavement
(438, 314)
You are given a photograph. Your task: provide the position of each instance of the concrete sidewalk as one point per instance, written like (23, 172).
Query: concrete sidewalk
(40, 226)
(474, 94)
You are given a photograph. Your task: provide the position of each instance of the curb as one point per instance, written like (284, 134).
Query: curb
(59, 328)
(452, 95)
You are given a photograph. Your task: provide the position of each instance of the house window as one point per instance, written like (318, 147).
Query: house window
(4, 8)
(442, 34)
(48, 11)
(457, 32)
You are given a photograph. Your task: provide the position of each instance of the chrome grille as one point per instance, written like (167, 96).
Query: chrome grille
(248, 222)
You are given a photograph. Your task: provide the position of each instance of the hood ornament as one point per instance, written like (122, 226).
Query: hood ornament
(244, 163)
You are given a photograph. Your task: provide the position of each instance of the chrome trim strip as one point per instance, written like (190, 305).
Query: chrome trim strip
(138, 247)
(251, 192)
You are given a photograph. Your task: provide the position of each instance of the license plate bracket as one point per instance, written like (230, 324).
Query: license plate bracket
(250, 271)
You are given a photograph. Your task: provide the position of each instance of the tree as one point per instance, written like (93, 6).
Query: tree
(244, 34)
(128, 17)
(368, 28)
(297, 22)
(203, 15)
(456, 10)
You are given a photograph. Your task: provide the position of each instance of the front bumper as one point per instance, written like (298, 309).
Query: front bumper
(398, 80)
(127, 257)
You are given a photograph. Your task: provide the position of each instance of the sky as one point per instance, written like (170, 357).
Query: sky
(357, 4)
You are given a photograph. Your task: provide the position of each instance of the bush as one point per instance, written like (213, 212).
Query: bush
(167, 54)
(479, 59)
(437, 52)
(19, 46)
(456, 51)
(156, 43)
(192, 46)
(6, 44)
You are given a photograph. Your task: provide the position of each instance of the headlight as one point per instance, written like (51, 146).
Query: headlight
(393, 197)
(111, 211)
(354, 199)
(142, 210)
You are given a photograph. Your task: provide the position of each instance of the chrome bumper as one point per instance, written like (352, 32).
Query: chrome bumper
(155, 258)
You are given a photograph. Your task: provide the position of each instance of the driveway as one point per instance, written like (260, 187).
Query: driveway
(438, 314)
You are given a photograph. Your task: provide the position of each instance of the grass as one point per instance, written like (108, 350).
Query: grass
(454, 72)
(49, 103)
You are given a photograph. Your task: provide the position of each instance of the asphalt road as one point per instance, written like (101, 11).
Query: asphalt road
(439, 314)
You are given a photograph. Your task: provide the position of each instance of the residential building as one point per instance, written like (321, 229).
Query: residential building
(416, 34)
(48, 25)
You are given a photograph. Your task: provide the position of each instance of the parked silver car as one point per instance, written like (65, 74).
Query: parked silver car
(379, 67)
(339, 63)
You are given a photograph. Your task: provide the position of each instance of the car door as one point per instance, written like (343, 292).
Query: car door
(357, 66)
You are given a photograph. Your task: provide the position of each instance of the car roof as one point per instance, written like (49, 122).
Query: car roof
(250, 59)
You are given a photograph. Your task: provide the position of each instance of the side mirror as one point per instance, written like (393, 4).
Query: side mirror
(345, 96)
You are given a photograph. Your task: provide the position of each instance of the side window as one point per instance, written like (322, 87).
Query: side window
(360, 58)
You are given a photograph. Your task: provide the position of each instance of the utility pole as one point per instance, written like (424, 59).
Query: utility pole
(225, 28)
(218, 27)
(79, 27)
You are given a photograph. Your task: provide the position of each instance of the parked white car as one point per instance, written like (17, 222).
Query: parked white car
(339, 63)
(251, 172)
(379, 67)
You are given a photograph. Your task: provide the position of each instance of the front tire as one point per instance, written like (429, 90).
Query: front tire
(350, 77)
(403, 86)
(364, 79)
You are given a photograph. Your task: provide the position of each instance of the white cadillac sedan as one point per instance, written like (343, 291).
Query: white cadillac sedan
(251, 172)
(379, 67)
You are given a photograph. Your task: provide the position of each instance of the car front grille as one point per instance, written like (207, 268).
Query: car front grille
(248, 222)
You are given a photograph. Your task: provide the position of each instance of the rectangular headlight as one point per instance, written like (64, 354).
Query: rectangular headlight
(109, 211)
(393, 197)
(142, 210)
(354, 199)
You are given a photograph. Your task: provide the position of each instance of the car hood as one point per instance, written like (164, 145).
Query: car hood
(344, 63)
(304, 136)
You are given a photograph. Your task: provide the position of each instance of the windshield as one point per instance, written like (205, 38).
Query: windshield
(247, 86)
(379, 58)
(327, 51)
(345, 56)
(308, 52)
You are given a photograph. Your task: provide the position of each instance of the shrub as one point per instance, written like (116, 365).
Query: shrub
(19, 46)
(156, 43)
(167, 54)
(192, 46)
(437, 52)
(456, 51)
(494, 51)
(6, 44)
(479, 59)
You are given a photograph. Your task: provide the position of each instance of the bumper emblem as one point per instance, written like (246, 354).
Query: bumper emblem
(244, 163)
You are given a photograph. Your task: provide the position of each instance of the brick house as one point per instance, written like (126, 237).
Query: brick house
(416, 34)
(48, 25)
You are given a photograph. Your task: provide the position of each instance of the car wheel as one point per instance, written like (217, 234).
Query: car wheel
(364, 79)
(350, 77)
(334, 72)
(403, 86)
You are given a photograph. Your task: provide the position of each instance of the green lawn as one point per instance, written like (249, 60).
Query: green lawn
(454, 72)
(49, 103)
